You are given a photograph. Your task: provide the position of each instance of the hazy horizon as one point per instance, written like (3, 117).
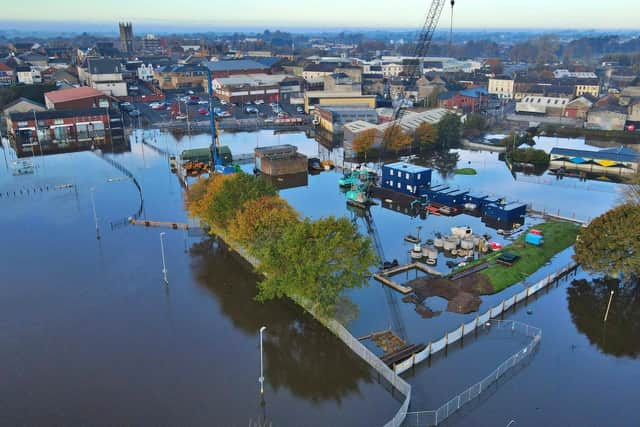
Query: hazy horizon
(497, 15)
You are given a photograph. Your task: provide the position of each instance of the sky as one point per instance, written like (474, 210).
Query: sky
(332, 14)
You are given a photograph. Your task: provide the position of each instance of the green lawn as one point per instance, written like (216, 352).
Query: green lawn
(466, 171)
(558, 236)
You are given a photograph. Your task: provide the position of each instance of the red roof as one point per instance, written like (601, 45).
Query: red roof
(4, 67)
(72, 94)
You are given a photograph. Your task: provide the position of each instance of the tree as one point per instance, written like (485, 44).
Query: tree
(475, 124)
(396, 139)
(426, 136)
(610, 244)
(449, 131)
(233, 194)
(261, 220)
(201, 194)
(363, 142)
(316, 260)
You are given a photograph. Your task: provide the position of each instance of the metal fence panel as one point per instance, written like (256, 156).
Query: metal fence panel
(455, 335)
(496, 311)
(509, 303)
(404, 366)
(469, 327)
(484, 318)
(423, 355)
(438, 345)
(521, 296)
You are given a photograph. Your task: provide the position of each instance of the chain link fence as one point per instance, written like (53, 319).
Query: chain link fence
(433, 418)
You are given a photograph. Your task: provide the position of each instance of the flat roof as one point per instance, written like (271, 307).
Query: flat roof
(276, 148)
(407, 167)
(614, 154)
(324, 94)
(252, 79)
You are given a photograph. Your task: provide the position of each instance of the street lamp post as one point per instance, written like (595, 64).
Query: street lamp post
(95, 215)
(261, 379)
(164, 264)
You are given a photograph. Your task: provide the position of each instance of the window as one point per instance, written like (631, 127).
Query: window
(407, 176)
(410, 189)
(391, 183)
(391, 172)
(419, 176)
(399, 185)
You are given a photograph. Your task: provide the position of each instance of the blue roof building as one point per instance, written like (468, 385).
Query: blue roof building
(406, 178)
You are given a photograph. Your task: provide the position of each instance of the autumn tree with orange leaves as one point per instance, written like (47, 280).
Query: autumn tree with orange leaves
(261, 220)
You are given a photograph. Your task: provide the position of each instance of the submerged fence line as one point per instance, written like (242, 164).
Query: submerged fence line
(433, 418)
(467, 328)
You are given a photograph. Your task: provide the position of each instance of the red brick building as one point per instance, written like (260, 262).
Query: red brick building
(61, 131)
(469, 100)
(76, 98)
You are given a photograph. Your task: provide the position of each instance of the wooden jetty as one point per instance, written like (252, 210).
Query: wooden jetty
(159, 224)
(393, 285)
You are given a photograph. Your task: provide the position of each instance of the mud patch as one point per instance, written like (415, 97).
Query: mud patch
(463, 294)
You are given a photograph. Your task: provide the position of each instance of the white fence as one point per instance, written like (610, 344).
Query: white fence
(374, 361)
(465, 329)
(433, 418)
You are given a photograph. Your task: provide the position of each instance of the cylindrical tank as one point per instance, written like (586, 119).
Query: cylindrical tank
(467, 244)
(476, 239)
(438, 242)
(430, 253)
(450, 245)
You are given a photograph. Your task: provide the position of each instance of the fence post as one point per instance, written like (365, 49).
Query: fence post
(462, 330)
(528, 289)
(491, 313)
(446, 340)
(477, 318)
(503, 306)
(429, 348)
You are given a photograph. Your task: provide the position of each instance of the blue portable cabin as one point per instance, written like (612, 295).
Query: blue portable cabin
(456, 198)
(477, 199)
(508, 214)
(406, 178)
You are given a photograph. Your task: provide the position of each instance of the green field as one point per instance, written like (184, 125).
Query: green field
(466, 171)
(558, 236)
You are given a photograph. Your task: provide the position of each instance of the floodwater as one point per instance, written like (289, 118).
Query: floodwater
(581, 374)
(203, 334)
(92, 336)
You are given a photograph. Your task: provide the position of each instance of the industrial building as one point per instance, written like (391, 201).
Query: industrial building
(322, 98)
(252, 87)
(278, 160)
(333, 119)
(610, 161)
(542, 105)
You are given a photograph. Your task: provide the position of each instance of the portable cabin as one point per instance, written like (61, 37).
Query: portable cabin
(507, 214)
(406, 178)
(278, 160)
(534, 239)
(477, 199)
(456, 198)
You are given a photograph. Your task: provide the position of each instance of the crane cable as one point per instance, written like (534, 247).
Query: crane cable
(453, 3)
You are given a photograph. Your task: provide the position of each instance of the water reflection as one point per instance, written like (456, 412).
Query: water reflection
(587, 305)
(300, 354)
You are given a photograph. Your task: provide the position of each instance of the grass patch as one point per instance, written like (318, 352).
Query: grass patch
(558, 236)
(466, 171)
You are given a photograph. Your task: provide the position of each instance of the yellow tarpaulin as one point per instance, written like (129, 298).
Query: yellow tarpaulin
(606, 163)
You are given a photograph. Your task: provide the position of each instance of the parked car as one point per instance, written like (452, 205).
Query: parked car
(192, 102)
(251, 110)
(181, 117)
(194, 97)
(299, 109)
(190, 92)
(223, 102)
(134, 113)
(259, 102)
(203, 102)
(203, 111)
